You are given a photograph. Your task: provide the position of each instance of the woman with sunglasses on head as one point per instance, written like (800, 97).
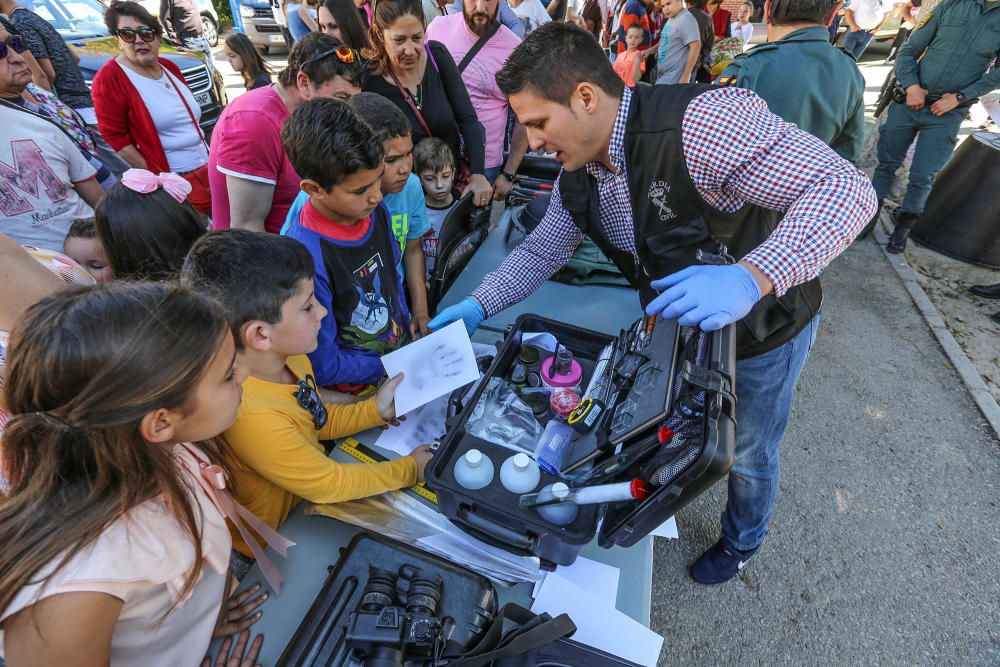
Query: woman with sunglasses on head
(145, 109)
(340, 19)
(423, 80)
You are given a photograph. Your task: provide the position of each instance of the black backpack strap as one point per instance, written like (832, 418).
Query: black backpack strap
(477, 47)
(535, 631)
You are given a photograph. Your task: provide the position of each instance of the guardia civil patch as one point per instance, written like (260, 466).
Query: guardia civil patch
(726, 80)
(922, 22)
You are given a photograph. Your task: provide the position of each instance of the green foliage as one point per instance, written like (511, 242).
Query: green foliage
(225, 13)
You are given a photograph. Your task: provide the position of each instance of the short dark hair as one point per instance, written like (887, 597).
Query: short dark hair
(788, 12)
(384, 117)
(146, 235)
(434, 154)
(326, 141)
(82, 228)
(324, 69)
(553, 60)
(700, 4)
(119, 8)
(251, 274)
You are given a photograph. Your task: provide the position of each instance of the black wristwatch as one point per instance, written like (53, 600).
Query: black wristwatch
(506, 174)
(960, 96)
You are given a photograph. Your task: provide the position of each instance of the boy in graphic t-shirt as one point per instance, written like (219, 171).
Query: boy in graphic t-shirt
(348, 233)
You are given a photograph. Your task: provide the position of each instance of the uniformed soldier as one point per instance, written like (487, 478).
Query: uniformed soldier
(802, 77)
(954, 44)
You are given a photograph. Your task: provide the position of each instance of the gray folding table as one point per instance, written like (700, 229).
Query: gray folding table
(318, 539)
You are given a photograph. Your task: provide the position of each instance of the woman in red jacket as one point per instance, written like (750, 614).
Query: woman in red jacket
(145, 110)
(721, 19)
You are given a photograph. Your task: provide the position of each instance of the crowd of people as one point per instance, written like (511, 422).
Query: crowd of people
(171, 301)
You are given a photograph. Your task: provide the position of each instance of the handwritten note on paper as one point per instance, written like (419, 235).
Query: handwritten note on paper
(433, 366)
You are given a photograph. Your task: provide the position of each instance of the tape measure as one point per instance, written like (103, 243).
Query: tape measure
(364, 454)
(585, 415)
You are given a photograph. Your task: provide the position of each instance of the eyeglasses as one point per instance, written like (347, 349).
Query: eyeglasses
(128, 35)
(345, 54)
(309, 399)
(14, 43)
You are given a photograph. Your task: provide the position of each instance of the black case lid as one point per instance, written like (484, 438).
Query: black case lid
(626, 523)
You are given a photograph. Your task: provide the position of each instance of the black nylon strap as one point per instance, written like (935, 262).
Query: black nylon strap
(477, 47)
(535, 631)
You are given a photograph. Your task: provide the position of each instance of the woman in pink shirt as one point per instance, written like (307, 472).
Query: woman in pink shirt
(116, 551)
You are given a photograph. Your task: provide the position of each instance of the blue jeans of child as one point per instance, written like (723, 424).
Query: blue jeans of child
(856, 41)
(765, 387)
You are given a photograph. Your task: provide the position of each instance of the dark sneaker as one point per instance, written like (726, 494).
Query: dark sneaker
(719, 564)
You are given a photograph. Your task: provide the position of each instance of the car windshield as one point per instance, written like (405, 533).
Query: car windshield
(73, 19)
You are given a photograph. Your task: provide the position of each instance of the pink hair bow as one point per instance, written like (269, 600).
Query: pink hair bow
(245, 521)
(143, 181)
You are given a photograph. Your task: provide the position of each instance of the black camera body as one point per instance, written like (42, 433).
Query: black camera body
(382, 633)
(415, 634)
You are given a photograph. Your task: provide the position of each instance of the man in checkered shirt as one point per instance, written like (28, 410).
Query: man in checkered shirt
(656, 173)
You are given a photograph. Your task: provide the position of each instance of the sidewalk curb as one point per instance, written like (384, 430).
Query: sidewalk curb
(956, 355)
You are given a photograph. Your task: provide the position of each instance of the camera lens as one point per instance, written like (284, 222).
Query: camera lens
(380, 591)
(425, 593)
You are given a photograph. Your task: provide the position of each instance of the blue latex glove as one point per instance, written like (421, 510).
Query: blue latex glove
(709, 297)
(468, 310)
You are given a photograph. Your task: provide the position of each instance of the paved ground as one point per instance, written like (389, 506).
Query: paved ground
(884, 547)
(884, 542)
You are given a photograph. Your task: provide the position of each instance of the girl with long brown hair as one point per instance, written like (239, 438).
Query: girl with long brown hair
(113, 547)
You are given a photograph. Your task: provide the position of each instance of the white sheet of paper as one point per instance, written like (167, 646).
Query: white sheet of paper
(598, 622)
(598, 578)
(419, 428)
(433, 366)
(667, 529)
(425, 423)
(544, 340)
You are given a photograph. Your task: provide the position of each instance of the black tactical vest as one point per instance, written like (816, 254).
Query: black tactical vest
(673, 222)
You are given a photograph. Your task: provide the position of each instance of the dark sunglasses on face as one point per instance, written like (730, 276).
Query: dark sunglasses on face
(14, 43)
(309, 399)
(345, 54)
(128, 35)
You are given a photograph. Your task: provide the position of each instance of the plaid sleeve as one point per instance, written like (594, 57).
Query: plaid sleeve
(535, 260)
(738, 152)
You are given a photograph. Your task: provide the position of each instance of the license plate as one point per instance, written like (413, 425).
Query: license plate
(203, 99)
(276, 38)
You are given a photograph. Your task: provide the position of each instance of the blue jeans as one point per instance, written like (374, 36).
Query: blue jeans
(492, 173)
(765, 387)
(856, 41)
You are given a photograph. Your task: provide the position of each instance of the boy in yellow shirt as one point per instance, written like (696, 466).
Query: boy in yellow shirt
(265, 283)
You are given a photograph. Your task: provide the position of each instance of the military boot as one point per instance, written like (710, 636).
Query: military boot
(870, 227)
(904, 223)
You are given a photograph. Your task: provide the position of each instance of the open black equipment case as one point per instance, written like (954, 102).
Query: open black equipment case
(662, 386)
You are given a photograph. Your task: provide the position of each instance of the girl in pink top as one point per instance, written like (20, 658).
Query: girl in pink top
(115, 549)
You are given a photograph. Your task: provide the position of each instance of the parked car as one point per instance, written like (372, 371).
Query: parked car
(259, 25)
(209, 18)
(81, 24)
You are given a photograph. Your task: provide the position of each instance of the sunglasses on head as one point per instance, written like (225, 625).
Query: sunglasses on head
(14, 43)
(128, 35)
(309, 400)
(345, 54)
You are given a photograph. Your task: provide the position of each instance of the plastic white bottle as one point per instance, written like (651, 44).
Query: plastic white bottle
(560, 515)
(519, 474)
(474, 470)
